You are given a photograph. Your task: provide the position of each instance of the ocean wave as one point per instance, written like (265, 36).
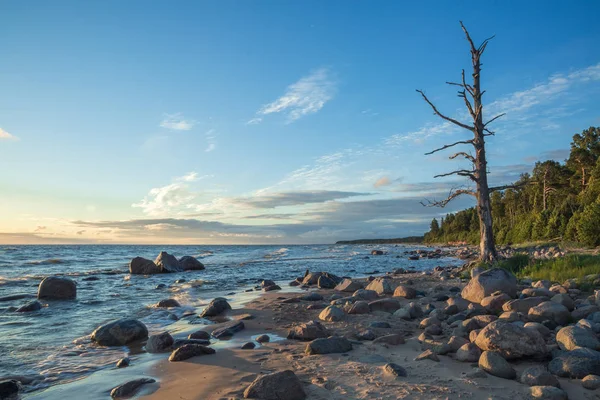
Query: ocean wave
(207, 253)
(282, 252)
(49, 261)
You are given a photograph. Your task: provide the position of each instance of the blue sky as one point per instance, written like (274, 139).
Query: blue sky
(269, 121)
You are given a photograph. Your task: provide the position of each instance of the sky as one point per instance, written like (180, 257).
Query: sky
(255, 122)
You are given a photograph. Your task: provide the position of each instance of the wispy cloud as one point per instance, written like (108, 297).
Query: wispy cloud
(254, 121)
(177, 122)
(282, 199)
(383, 181)
(307, 96)
(7, 136)
(211, 140)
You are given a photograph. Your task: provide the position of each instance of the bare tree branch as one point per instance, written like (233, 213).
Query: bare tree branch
(454, 193)
(493, 119)
(435, 110)
(449, 145)
(473, 49)
(460, 172)
(465, 155)
(512, 186)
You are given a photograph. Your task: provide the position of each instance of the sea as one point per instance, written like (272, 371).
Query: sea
(52, 346)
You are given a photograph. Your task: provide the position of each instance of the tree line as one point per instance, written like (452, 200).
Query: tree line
(557, 201)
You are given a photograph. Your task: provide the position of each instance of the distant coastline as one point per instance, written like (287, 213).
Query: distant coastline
(404, 240)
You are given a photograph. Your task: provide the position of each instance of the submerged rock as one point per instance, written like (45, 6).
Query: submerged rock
(167, 303)
(29, 307)
(189, 263)
(130, 388)
(123, 362)
(142, 266)
(9, 388)
(168, 262)
(276, 386)
(120, 332)
(55, 288)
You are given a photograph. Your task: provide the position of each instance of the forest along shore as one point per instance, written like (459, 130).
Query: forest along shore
(413, 335)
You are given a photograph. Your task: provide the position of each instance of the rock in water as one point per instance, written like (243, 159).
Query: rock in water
(571, 337)
(308, 331)
(159, 343)
(55, 288)
(394, 370)
(120, 332)
(331, 314)
(276, 386)
(488, 282)
(188, 351)
(547, 393)
(333, 344)
(495, 364)
(228, 329)
(189, 263)
(216, 307)
(9, 388)
(263, 339)
(167, 303)
(128, 389)
(29, 307)
(123, 362)
(510, 340)
(168, 263)
(142, 266)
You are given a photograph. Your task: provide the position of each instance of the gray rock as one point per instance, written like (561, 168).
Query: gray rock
(565, 300)
(510, 340)
(381, 286)
(591, 382)
(584, 311)
(549, 310)
(380, 325)
(455, 343)
(189, 263)
(9, 388)
(394, 370)
(308, 331)
(405, 291)
(202, 335)
(331, 314)
(228, 329)
(263, 339)
(216, 307)
(333, 344)
(547, 393)
(120, 332)
(523, 305)
(130, 388)
(167, 303)
(494, 364)
(123, 362)
(159, 343)
(29, 307)
(571, 337)
(168, 262)
(365, 294)
(387, 305)
(276, 386)
(366, 335)
(468, 353)
(55, 288)
(495, 302)
(488, 282)
(538, 376)
(576, 363)
(142, 266)
(182, 342)
(326, 282)
(348, 285)
(188, 351)
(312, 297)
(427, 355)
(248, 346)
(359, 307)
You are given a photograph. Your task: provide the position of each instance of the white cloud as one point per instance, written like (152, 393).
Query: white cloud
(189, 177)
(211, 140)
(177, 122)
(7, 136)
(254, 121)
(307, 96)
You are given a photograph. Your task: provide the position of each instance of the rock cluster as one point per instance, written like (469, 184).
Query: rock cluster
(164, 263)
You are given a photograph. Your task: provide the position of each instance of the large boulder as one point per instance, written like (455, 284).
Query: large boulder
(189, 263)
(523, 305)
(381, 286)
(159, 343)
(359, 307)
(495, 302)
(326, 282)
(142, 266)
(405, 291)
(468, 352)
(494, 364)
(188, 351)
(576, 363)
(276, 386)
(312, 278)
(348, 285)
(538, 375)
(549, 310)
(571, 337)
(168, 262)
(120, 332)
(216, 307)
(331, 314)
(308, 331)
(55, 288)
(510, 340)
(365, 294)
(333, 344)
(488, 282)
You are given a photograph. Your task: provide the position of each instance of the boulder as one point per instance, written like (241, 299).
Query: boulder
(571, 337)
(510, 340)
(9, 388)
(584, 311)
(168, 262)
(267, 283)
(312, 297)
(387, 305)
(547, 393)
(55, 288)
(468, 353)
(189, 263)
(538, 376)
(167, 303)
(495, 302)
(271, 288)
(365, 294)
(333, 344)
(405, 291)
(348, 285)
(326, 282)
(276, 386)
(248, 346)
(549, 310)
(359, 307)
(188, 351)
(591, 382)
(228, 329)
(129, 389)
(29, 307)
(202, 335)
(142, 266)
(460, 303)
(308, 331)
(565, 300)
(394, 370)
(523, 305)
(543, 330)
(494, 364)
(263, 339)
(537, 292)
(366, 335)
(331, 314)
(455, 343)
(120, 332)
(381, 286)
(488, 282)
(159, 343)
(394, 339)
(216, 307)
(576, 363)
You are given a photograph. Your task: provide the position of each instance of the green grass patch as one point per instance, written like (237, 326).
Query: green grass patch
(572, 266)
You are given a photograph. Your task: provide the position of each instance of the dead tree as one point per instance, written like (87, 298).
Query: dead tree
(471, 93)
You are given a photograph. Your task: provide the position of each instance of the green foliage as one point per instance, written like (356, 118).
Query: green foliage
(573, 266)
(556, 202)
